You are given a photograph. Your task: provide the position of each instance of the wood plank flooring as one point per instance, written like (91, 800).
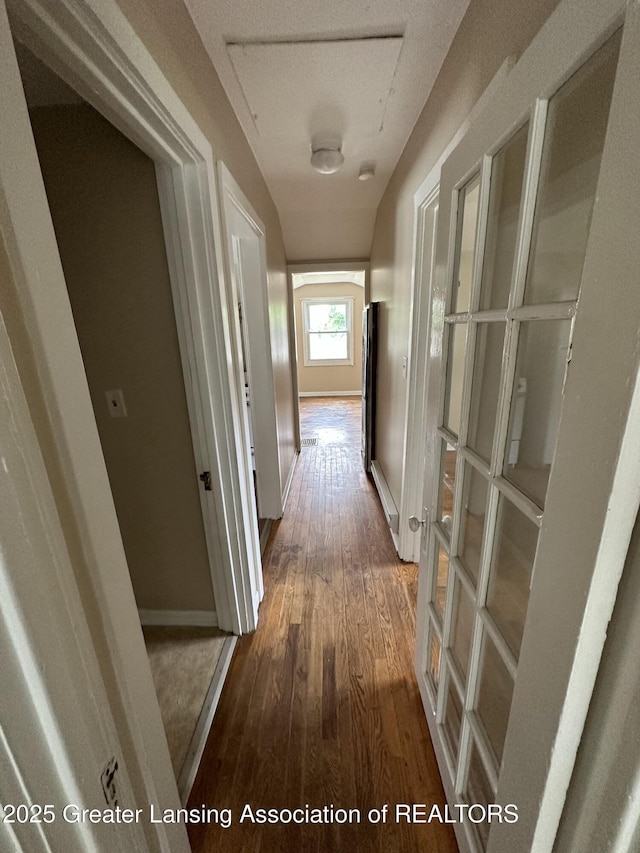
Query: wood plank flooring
(321, 706)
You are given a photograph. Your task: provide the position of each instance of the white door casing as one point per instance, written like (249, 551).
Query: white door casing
(245, 242)
(593, 490)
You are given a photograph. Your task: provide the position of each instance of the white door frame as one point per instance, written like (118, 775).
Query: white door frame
(578, 565)
(91, 45)
(246, 266)
(415, 435)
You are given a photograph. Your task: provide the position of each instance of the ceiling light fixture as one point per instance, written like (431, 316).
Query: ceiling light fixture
(327, 160)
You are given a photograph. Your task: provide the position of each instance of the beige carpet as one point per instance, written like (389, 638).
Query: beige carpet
(183, 660)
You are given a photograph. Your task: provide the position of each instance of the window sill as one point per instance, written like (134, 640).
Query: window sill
(343, 362)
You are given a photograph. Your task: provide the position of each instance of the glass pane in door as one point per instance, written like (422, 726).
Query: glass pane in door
(462, 628)
(494, 696)
(455, 376)
(485, 390)
(468, 201)
(510, 577)
(574, 139)
(452, 718)
(433, 659)
(505, 195)
(441, 575)
(479, 790)
(474, 507)
(536, 402)
(447, 484)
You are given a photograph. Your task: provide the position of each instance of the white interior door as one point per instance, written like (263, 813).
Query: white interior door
(515, 588)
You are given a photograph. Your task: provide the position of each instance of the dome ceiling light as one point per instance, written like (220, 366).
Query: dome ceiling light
(327, 159)
(367, 171)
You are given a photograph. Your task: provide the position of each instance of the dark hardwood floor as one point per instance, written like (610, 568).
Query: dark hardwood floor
(321, 706)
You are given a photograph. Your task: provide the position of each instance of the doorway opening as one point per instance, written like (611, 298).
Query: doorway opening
(328, 302)
(103, 199)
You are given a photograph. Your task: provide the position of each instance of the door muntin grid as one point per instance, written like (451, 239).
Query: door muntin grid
(481, 737)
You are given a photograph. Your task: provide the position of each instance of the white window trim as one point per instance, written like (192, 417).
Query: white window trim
(332, 300)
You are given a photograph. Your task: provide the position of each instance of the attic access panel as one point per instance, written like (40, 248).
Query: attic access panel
(302, 88)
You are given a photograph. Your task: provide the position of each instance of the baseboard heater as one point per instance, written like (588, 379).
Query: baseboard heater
(386, 498)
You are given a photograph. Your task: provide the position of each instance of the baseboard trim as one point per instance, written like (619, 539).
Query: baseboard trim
(386, 499)
(198, 618)
(264, 536)
(187, 775)
(287, 488)
(329, 393)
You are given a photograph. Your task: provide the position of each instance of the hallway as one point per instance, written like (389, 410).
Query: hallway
(321, 706)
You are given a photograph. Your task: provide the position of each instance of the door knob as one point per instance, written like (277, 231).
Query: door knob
(415, 524)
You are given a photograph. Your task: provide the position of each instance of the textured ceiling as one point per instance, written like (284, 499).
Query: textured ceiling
(357, 71)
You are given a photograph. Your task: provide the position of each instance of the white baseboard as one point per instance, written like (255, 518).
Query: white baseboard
(386, 499)
(187, 774)
(396, 542)
(329, 393)
(199, 618)
(287, 488)
(264, 536)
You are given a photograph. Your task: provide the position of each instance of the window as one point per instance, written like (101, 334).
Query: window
(328, 330)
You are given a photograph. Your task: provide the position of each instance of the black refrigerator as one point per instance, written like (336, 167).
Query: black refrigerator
(369, 365)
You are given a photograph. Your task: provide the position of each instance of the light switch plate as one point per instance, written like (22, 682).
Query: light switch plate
(116, 404)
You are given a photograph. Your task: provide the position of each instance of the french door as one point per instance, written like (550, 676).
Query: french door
(524, 232)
